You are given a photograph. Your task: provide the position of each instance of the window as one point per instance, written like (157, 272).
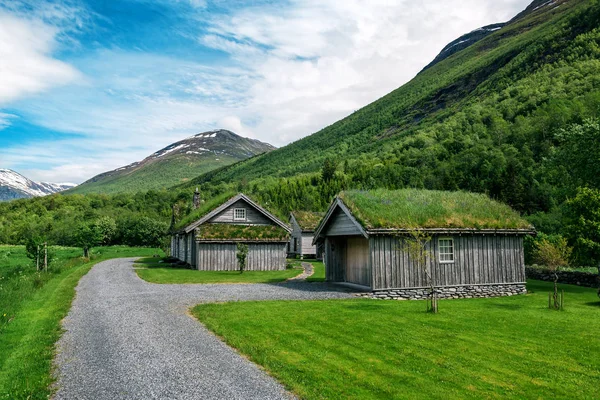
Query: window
(295, 245)
(446, 250)
(239, 214)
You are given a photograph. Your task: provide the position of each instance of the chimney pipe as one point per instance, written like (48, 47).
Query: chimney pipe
(196, 199)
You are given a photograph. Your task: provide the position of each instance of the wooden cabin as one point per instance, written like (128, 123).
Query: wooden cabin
(303, 225)
(474, 244)
(210, 242)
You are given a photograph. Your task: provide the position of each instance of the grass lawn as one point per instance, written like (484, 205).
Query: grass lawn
(371, 349)
(149, 269)
(32, 304)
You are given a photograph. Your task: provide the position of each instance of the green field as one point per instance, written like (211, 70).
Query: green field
(150, 270)
(511, 347)
(32, 304)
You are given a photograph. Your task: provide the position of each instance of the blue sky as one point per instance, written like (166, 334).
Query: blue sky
(89, 86)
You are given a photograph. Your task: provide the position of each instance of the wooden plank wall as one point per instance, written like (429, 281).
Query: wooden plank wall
(266, 257)
(217, 256)
(478, 260)
(297, 234)
(306, 246)
(253, 216)
(222, 257)
(340, 224)
(334, 259)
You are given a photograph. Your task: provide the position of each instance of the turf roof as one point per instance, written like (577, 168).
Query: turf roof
(414, 208)
(204, 209)
(308, 220)
(241, 232)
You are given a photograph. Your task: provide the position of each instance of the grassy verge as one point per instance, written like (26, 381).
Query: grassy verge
(33, 306)
(478, 348)
(150, 270)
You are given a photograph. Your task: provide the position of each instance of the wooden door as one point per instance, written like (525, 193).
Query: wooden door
(357, 261)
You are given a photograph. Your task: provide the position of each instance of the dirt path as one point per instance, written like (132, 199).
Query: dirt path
(129, 339)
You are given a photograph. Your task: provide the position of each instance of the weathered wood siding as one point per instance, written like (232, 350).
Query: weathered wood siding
(222, 256)
(266, 256)
(357, 261)
(478, 259)
(297, 236)
(341, 225)
(335, 259)
(253, 216)
(173, 246)
(181, 247)
(306, 246)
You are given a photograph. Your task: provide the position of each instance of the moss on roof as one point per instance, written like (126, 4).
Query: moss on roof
(204, 209)
(308, 220)
(241, 232)
(413, 208)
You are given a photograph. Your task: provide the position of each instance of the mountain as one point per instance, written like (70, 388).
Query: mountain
(484, 119)
(177, 163)
(472, 37)
(465, 41)
(15, 186)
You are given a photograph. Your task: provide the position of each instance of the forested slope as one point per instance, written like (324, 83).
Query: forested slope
(514, 116)
(483, 120)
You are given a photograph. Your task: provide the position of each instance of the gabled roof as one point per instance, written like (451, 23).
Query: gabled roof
(307, 220)
(338, 204)
(230, 202)
(395, 211)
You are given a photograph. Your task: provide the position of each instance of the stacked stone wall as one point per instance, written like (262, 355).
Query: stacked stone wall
(569, 277)
(454, 292)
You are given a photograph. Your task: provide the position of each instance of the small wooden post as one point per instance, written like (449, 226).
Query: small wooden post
(37, 258)
(46, 256)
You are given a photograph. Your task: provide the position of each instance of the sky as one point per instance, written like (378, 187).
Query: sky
(90, 86)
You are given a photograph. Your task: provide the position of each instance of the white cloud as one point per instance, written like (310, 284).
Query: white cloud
(321, 60)
(26, 65)
(292, 70)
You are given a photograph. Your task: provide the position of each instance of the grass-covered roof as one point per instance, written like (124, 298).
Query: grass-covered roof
(308, 220)
(241, 232)
(413, 208)
(205, 207)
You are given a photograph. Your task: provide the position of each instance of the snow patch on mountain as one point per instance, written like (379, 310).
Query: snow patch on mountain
(14, 186)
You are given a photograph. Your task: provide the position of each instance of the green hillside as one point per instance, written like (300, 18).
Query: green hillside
(514, 116)
(483, 120)
(176, 163)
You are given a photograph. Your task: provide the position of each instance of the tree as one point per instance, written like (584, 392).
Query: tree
(36, 249)
(143, 231)
(107, 227)
(582, 226)
(328, 170)
(416, 245)
(553, 256)
(242, 254)
(87, 236)
(579, 153)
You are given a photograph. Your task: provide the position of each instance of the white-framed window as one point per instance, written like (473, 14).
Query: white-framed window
(446, 250)
(239, 214)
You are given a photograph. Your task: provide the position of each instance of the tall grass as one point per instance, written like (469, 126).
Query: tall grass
(32, 304)
(413, 208)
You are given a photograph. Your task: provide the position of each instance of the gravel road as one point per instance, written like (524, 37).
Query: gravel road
(128, 339)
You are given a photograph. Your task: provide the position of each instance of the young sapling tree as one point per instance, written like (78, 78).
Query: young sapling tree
(242, 255)
(416, 245)
(554, 256)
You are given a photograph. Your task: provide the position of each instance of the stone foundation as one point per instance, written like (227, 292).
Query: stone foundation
(568, 277)
(453, 292)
